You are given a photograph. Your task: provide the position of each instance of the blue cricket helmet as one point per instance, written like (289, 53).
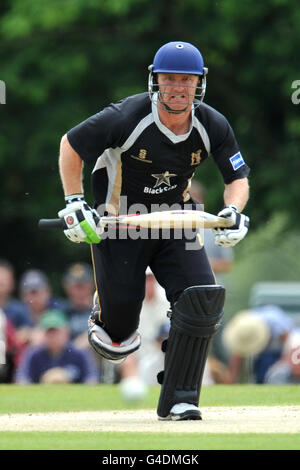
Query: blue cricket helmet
(178, 57)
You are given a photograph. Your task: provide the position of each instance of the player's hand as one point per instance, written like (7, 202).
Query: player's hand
(231, 236)
(80, 219)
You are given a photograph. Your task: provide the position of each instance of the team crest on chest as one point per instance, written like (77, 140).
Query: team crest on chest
(142, 156)
(196, 157)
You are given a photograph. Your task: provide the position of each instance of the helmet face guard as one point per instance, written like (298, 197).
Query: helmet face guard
(177, 58)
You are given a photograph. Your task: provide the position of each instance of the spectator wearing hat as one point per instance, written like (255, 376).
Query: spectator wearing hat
(57, 360)
(36, 293)
(287, 369)
(79, 287)
(259, 334)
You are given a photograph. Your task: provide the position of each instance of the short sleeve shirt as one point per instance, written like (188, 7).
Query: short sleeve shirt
(136, 156)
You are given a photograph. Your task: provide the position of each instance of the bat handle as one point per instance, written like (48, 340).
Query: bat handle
(60, 223)
(52, 223)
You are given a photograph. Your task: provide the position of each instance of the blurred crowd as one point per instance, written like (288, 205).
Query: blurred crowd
(45, 335)
(43, 338)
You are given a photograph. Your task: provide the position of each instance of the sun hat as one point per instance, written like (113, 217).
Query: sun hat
(246, 334)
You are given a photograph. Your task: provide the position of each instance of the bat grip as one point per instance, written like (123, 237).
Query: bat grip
(58, 223)
(52, 223)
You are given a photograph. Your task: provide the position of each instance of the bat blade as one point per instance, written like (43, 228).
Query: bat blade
(169, 219)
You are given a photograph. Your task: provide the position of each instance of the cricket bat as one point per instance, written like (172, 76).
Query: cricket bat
(155, 220)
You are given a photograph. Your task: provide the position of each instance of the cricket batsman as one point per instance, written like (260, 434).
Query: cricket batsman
(144, 150)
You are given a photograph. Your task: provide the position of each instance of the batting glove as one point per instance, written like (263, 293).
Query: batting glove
(231, 236)
(80, 220)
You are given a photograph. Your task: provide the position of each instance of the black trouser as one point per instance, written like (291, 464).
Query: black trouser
(120, 265)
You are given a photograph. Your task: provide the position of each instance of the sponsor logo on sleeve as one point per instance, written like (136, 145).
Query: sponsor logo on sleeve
(237, 161)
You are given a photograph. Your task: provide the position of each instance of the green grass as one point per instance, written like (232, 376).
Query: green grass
(47, 398)
(139, 441)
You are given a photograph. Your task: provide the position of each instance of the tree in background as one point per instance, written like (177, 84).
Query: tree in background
(65, 60)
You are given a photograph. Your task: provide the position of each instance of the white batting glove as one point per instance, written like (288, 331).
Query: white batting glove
(229, 237)
(80, 220)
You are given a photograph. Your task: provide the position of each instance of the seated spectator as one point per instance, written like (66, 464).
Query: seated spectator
(259, 334)
(36, 293)
(10, 349)
(79, 286)
(287, 369)
(57, 360)
(15, 310)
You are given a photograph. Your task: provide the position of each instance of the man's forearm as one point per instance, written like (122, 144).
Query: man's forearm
(237, 193)
(70, 168)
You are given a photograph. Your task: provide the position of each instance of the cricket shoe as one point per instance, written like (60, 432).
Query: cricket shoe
(183, 412)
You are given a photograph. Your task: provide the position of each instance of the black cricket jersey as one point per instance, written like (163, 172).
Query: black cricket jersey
(135, 155)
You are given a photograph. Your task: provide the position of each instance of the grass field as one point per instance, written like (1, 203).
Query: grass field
(35, 399)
